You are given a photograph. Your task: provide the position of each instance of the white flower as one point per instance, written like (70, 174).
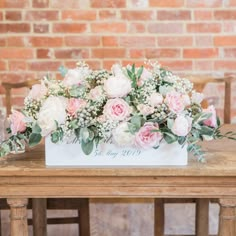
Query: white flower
(155, 99)
(53, 110)
(197, 97)
(121, 135)
(117, 87)
(182, 125)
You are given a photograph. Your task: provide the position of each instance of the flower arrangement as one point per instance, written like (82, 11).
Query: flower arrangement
(140, 107)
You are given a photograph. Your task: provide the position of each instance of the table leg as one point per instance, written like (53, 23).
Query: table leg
(159, 217)
(227, 217)
(18, 216)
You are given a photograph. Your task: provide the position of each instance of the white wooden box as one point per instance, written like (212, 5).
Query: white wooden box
(109, 155)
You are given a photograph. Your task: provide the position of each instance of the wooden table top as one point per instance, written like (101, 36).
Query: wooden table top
(220, 161)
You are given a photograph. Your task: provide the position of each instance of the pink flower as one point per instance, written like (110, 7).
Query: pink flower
(117, 109)
(145, 109)
(18, 124)
(212, 121)
(96, 93)
(38, 91)
(74, 105)
(175, 102)
(182, 125)
(146, 138)
(155, 99)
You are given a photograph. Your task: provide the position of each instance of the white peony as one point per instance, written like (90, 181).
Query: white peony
(197, 97)
(117, 87)
(182, 125)
(155, 99)
(121, 135)
(53, 110)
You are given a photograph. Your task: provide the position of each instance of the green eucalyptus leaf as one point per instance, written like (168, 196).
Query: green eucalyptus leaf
(170, 138)
(34, 139)
(140, 71)
(87, 147)
(36, 129)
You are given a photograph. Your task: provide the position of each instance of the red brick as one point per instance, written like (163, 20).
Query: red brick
(230, 52)
(44, 66)
(177, 65)
(203, 65)
(14, 4)
(114, 27)
(204, 41)
(17, 77)
(69, 28)
(3, 65)
(107, 14)
(71, 53)
(12, 53)
(225, 40)
(200, 53)
(18, 41)
(15, 28)
(73, 4)
(93, 64)
(162, 53)
(17, 65)
(225, 15)
(41, 15)
(203, 15)
(13, 15)
(137, 53)
(166, 3)
(107, 64)
(204, 28)
(41, 28)
(82, 41)
(3, 42)
(136, 27)
(78, 15)
(110, 41)
(138, 15)
(179, 41)
(108, 52)
(108, 3)
(138, 41)
(225, 65)
(1, 15)
(204, 3)
(44, 53)
(166, 28)
(137, 62)
(231, 3)
(46, 41)
(173, 15)
(40, 3)
(137, 4)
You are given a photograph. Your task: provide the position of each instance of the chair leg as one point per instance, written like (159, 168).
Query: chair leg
(159, 217)
(39, 206)
(202, 217)
(0, 224)
(84, 226)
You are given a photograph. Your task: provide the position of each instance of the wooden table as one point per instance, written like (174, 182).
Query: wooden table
(25, 176)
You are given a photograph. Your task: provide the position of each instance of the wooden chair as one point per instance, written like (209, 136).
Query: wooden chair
(202, 205)
(39, 218)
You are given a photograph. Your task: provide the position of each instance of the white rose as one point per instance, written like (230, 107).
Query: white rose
(53, 110)
(182, 125)
(186, 99)
(117, 87)
(76, 76)
(121, 135)
(197, 97)
(155, 99)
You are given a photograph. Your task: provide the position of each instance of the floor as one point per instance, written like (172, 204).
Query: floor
(127, 218)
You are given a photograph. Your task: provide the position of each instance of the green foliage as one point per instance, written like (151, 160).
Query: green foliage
(34, 139)
(63, 71)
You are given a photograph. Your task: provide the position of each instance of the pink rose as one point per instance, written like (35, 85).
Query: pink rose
(117, 109)
(212, 121)
(155, 99)
(38, 91)
(175, 102)
(74, 105)
(182, 125)
(145, 109)
(18, 124)
(146, 138)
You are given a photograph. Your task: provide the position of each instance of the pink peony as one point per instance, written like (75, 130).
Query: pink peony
(74, 105)
(175, 102)
(117, 109)
(18, 124)
(146, 138)
(38, 91)
(212, 121)
(182, 125)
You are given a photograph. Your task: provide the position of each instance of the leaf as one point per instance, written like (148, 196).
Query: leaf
(205, 130)
(87, 147)
(84, 134)
(181, 140)
(34, 139)
(140, 71)
(170, 123)
(62, 70)
(36, 129)
(170, 138)
(133, 69)
(136, 121)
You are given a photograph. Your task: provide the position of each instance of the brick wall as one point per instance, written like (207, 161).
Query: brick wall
(187, 36)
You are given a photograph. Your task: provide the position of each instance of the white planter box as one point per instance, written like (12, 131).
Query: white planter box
(71, 155)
